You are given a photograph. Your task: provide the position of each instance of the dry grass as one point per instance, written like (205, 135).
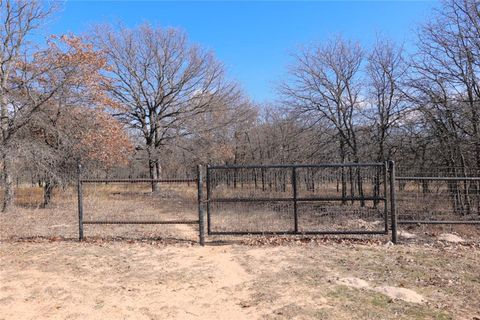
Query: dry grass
(134, 202)
(436, 204)
(279, 216)
(127, 202)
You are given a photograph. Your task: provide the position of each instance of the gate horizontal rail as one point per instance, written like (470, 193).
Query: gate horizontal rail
(142, 222)
(437, 178)
(436, 222)
(336, 232)
(319, 165)
(137, 180)
(309, 199)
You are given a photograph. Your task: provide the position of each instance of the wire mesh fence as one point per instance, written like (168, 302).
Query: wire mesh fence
(303, 199)
(437, 171)
(255, 199)
(446, 200)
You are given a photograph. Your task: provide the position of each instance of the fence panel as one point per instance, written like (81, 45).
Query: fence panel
(438, 200)
(297, 199)
(128, 208)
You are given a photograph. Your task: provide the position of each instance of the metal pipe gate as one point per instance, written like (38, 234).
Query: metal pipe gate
(226, 191)
(283, 200)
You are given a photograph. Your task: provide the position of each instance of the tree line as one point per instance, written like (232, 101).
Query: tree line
(146, 101)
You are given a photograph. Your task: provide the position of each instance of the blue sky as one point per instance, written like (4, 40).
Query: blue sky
(255, 39)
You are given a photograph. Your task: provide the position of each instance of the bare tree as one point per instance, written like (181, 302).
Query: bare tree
(445, 83)
(161, 83)
(18, 19)
(447, 70)
(386, 73)
(325, 86)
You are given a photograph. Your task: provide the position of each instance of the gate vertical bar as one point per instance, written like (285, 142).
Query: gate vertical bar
(393, 208)
(294, 187)
(80, 201)
(385, 193)
(201, 226)
(209, 230)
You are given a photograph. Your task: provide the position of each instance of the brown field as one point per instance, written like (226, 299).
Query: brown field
(159, 272)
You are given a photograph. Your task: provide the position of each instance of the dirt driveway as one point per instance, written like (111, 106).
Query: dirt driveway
(121, 280)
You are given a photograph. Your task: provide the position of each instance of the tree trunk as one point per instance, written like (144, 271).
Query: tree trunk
(376, 188)
(344, 179)
(262, 170)
(360, 187)
(235, 176)
(158, 170)
(466, 189)
(425, 187)
(47, 193)
(352, 184)
(152, 165)
(7, 173)
(8, 195)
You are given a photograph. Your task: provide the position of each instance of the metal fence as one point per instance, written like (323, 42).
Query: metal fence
(298, 199)
(355, 198)
(438, 200)
(365, 199)
(106, 205)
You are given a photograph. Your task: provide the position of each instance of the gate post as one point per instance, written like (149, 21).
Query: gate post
(294, 187)
(385, 194)
(201, 226)
(80, 201)
(393, 208)
(208, 199)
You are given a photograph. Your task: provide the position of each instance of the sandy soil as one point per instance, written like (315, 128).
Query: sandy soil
(295, 280)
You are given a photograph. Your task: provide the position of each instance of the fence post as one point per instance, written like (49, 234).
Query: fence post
(80, 201)
(393, 208)
(385, 194)
(201, 227)
(294, 187)
(208, 199)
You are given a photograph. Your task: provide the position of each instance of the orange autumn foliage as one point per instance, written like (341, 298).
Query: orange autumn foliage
(69, 67)
(71, 70)
(104, 139)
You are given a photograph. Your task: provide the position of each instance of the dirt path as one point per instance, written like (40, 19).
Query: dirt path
(68, 280)
(118, 282)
